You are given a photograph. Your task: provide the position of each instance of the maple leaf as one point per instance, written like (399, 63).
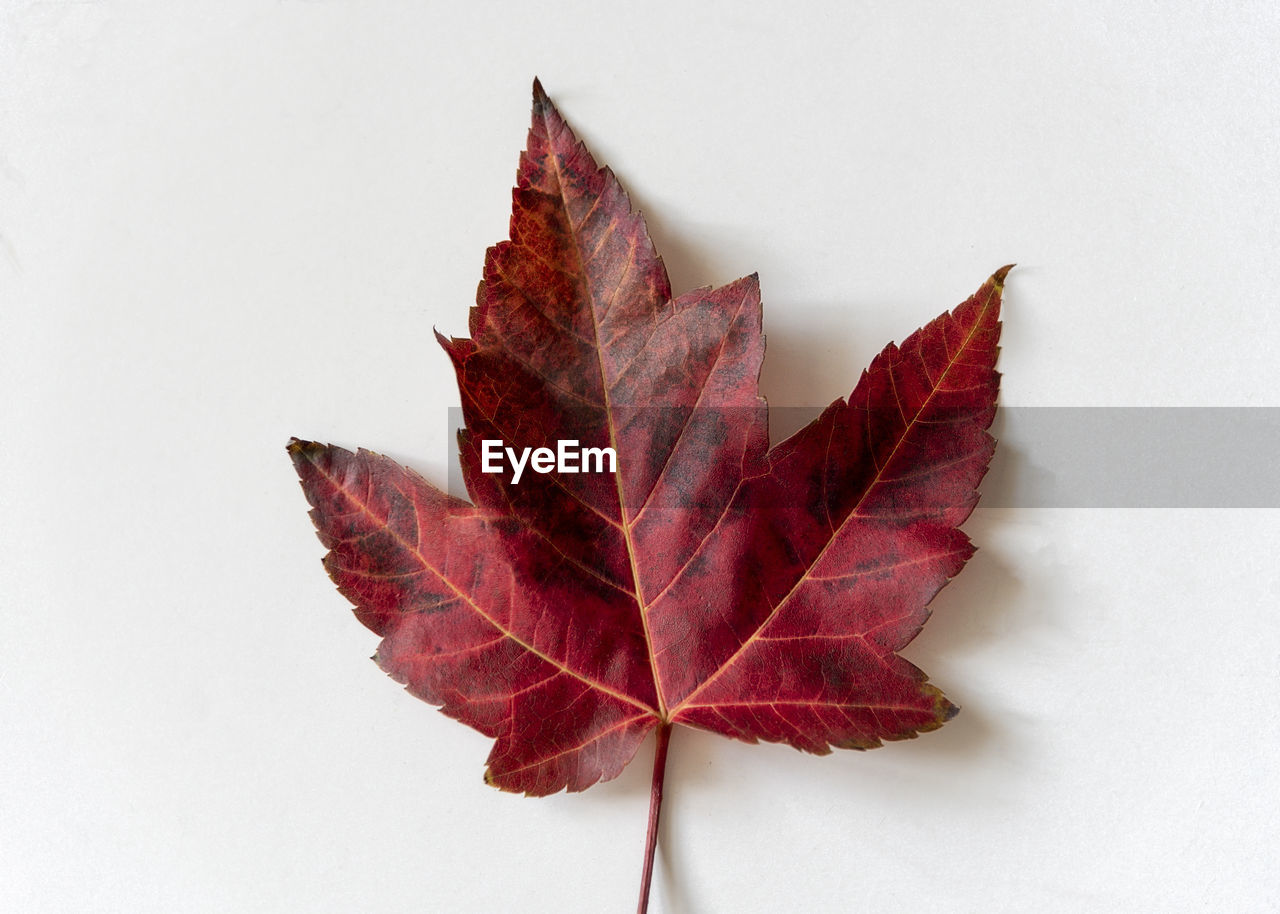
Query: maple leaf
(708, 580)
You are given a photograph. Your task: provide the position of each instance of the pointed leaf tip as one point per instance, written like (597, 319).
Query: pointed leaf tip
(997, 278)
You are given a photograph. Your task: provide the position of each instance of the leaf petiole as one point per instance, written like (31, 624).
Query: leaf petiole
(655, 807)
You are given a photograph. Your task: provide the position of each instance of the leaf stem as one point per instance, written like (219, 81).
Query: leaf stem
(655, 807)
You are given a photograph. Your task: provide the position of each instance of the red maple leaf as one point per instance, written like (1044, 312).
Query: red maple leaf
(708, 581)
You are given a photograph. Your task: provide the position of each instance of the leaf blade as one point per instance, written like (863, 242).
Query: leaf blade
(707, 580)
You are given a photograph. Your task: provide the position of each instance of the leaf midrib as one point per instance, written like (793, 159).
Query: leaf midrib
(641, 605)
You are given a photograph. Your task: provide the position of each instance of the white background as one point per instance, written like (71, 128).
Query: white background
(226, 223)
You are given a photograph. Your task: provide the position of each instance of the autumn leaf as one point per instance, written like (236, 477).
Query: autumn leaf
(703, 579)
